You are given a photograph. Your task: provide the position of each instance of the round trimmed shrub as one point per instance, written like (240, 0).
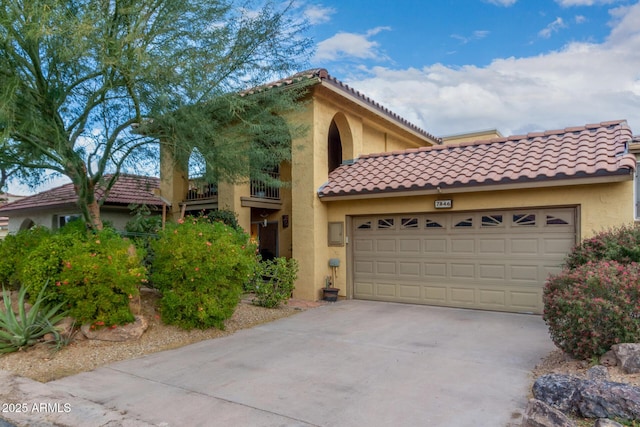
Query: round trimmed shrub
(200, 267)
(95, 273)
(592, 307)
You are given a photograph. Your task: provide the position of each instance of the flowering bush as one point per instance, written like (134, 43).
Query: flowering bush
(96, 273)
(620, 244)
(592, 307)
(274, 281)
(200, 267)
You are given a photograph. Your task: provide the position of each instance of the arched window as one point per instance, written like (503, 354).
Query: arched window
(197, 165)
(334, 147)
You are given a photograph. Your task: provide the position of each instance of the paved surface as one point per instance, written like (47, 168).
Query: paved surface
(352, 363)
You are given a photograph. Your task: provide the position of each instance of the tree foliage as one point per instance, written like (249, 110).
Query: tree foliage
(87, 87)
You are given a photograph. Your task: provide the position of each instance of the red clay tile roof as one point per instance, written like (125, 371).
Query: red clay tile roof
(127, 189)
(596, 150)
(322, 75)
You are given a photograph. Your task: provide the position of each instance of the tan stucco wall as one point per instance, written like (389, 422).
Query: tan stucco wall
(360, 134)
(600, 206)
(118, 218)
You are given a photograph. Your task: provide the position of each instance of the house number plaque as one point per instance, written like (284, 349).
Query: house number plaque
(444, 204)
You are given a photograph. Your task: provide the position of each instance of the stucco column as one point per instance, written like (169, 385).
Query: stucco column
(229, 199)
(174, 182)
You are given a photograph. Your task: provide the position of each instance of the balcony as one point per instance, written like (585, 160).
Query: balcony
(201, 191)
(260, 190)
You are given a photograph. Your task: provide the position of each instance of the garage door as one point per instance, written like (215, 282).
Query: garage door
(486, 260)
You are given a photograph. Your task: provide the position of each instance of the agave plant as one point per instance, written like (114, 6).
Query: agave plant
(26, 327)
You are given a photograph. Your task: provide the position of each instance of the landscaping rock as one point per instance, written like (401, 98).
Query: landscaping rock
(557, 390)
(588, 398)
(539, 414)
(14, 295)
(131, 331)
(604, 399)
(628, 356)
(605, 422)
(598, 373)
(609, 359)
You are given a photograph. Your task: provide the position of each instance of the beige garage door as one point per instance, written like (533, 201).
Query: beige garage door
(487, 260)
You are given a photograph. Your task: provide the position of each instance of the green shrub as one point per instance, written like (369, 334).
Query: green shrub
(225, 216)
(26, 328)
(275, 281)
(621, 244)
(200, 267)
(96, 273)
(14, 249)
(592, 307)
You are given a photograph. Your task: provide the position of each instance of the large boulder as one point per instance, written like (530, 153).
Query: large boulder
(539, 414)
(588, 398)
(628, 356)
(559, 391)
(130, 331)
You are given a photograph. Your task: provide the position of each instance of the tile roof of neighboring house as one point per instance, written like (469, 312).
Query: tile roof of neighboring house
(127, 189)
(323, 76)
(538, 158)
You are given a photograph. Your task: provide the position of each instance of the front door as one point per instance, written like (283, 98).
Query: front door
(268, 240)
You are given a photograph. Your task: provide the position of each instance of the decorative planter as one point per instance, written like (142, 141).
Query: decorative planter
(330, 294)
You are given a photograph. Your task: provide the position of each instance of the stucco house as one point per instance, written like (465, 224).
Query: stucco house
(474, 220)
(55, 207)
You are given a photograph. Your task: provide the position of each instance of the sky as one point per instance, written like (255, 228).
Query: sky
(457, 66)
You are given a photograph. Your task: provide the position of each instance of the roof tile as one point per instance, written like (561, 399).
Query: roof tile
(126, 190)
(575, 152)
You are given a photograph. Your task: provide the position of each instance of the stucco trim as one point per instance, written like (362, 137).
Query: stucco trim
(479, 188)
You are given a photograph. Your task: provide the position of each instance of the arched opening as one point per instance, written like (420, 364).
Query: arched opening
(198, 187)
(334, 147)
(27, 224)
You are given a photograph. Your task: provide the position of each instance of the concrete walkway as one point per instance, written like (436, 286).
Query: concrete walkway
(352, 363)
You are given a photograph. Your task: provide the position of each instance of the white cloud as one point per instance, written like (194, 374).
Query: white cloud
(580, 19)
(476, 35)
(505, 3)
(317, 14)
(570, 3)
(553, 27)
(350, 45)
(579, 84)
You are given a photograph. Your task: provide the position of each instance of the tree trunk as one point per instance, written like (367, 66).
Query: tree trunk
(94, 214)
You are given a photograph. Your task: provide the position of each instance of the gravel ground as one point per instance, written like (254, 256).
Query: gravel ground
(43, 363)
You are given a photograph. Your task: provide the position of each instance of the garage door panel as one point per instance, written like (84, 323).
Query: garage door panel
(493, 260)
(492, 246)
(496, 271)
(463, 246)
(409, 269)
(386, 289)
(435, 269)
(464, 296)
(435, 245)
(525, 246)
(363, 245)
(525, 272)
(435, 294)
(363, 267)
(459, 270)
(557, 246)
(386, 245)
(386, 267)
(494, 297)
(410, 245)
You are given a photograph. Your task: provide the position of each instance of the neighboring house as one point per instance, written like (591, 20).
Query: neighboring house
(56, 207)
(463, 224)
(4, 220)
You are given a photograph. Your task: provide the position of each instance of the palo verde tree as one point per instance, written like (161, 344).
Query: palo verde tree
(89, 88)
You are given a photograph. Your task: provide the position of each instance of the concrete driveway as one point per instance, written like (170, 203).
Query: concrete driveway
(352, 363)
